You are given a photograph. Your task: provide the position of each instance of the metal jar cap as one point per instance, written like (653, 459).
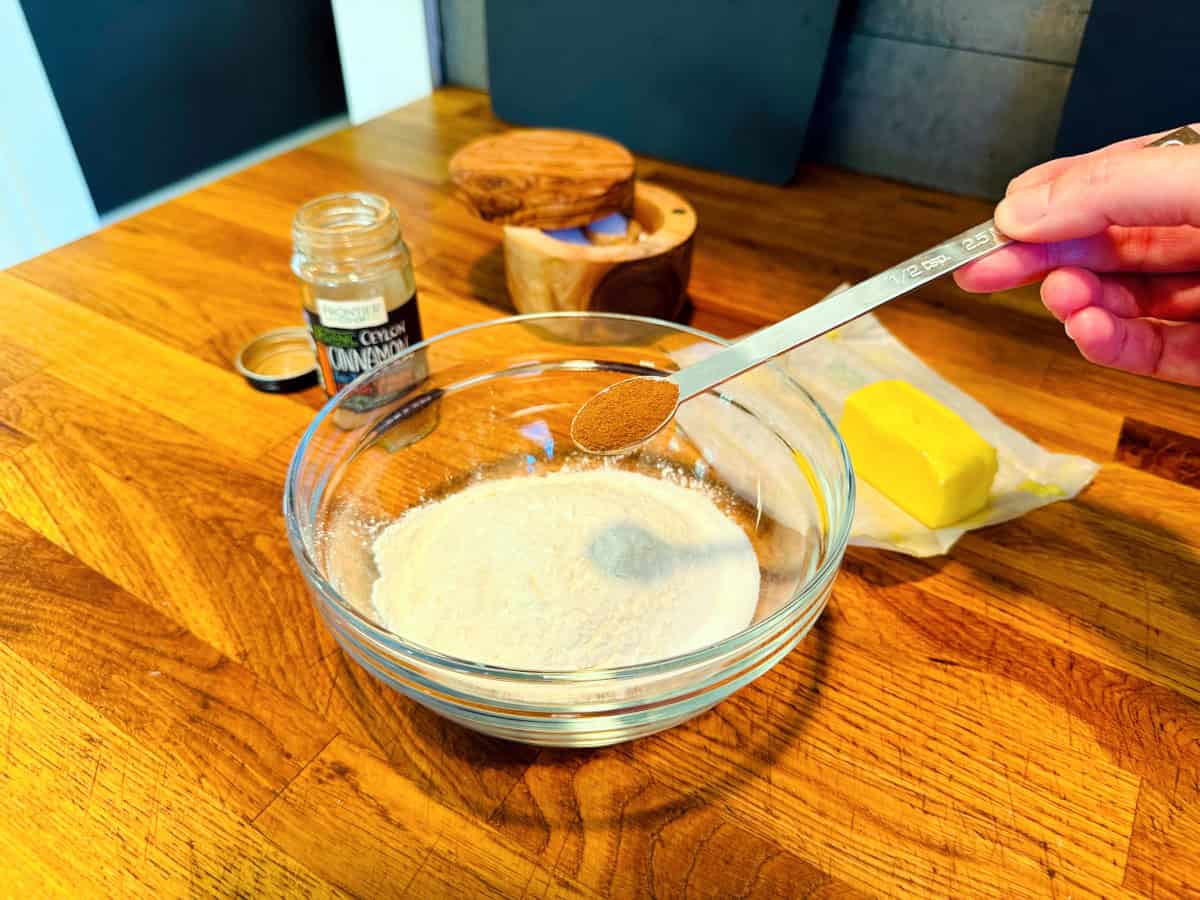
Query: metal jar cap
(279, 361)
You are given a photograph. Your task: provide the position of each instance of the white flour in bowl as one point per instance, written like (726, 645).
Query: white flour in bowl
(572, 570)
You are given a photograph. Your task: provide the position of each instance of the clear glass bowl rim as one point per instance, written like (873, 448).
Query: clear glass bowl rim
(747, 637)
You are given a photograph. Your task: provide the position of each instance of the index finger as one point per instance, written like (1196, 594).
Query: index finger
(1155, 186)
(1048, 171)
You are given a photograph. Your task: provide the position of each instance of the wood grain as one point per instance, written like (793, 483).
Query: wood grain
(848, 767)
(544, 178)
(376, 834)
(616, 828)
(1166, 833)
(646, 277)
(1018, 719)
(1160, 451)
(88, 810)
(159, 682)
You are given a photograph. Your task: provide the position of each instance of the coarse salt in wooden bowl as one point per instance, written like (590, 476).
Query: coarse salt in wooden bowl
(538, 180)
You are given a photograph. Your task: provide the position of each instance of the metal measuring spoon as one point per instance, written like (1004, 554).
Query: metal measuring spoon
(602, 426)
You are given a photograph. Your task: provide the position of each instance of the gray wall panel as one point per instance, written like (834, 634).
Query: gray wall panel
(953, 119)
(1046, 30)
(464, 43)
(956, 94)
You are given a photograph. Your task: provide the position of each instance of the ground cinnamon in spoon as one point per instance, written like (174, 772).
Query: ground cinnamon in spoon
(624, 415)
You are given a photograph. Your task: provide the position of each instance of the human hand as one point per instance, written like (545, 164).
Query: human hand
(1114, 236)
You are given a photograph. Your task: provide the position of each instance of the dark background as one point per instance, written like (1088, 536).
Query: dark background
(1138, 71)
(152, 92)
(721, 84)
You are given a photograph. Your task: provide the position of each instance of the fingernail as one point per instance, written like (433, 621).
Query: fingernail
(1021, 209)
(1067, 328)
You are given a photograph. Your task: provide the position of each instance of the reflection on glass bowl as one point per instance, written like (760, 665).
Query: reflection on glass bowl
(496, 401)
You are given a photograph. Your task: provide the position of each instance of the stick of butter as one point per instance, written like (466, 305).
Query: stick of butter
(917, 452)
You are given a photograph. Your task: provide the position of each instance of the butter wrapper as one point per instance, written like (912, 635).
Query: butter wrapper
(861, 353)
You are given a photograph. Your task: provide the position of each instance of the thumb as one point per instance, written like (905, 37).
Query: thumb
(1151, 186)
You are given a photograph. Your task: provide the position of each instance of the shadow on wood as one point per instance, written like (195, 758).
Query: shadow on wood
(754, 744)
(486, 280)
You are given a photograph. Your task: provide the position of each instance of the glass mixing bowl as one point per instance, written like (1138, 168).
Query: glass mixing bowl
(496, 400)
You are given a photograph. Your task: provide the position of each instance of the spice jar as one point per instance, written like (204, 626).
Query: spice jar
(360, 298)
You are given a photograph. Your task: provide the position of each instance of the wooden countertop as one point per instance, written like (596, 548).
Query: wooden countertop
(1019, 719)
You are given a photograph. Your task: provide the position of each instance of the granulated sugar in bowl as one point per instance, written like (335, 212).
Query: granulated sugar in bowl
(465, 552)
(611, 566)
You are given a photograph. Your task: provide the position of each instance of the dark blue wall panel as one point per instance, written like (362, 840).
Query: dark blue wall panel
(1138, 71)
(719, 84)
(154, 91)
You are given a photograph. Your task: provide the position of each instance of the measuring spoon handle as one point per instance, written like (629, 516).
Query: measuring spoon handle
(856, 301)
(837, 310)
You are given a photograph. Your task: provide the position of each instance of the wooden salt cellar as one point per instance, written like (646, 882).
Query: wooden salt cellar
(535, 179)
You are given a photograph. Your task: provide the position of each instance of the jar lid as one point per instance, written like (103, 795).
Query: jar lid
(279, 361)
(545, 178)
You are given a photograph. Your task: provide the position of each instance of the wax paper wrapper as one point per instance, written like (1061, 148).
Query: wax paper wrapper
(831, 368)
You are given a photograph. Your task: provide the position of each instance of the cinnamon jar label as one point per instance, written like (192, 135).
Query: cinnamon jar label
(365, 313)
(344, 353)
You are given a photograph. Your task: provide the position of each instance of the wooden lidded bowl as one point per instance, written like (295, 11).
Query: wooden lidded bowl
(534, 179)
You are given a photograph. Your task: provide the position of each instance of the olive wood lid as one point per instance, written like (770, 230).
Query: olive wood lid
(545, 178)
